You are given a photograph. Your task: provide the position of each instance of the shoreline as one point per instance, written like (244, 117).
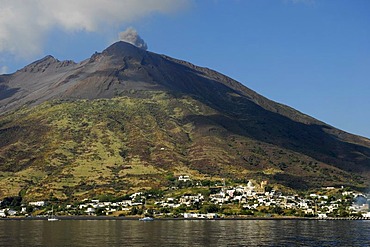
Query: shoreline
(68, 218)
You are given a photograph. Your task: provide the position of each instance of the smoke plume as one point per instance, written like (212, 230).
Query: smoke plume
(26, 25)
(131, 36)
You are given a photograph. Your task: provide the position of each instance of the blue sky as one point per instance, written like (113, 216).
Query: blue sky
(313, 55)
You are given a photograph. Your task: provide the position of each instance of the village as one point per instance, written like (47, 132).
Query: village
(194, 200)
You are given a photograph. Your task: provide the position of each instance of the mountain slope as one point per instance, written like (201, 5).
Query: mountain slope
(126, 118)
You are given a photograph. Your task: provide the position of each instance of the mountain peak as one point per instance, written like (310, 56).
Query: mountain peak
(44, 63)
(46, 59)
(124, 49)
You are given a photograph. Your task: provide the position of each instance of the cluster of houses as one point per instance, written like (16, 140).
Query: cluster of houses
(247, 197)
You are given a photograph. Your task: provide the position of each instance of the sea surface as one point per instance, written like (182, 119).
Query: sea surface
(184, 233)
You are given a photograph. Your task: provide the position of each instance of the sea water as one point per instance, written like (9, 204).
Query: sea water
(184, 233)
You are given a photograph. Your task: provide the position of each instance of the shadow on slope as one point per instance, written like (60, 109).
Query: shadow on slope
(6, 92)
(240, 115)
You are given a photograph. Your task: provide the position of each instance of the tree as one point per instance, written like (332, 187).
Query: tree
(100, 211)
(164, 210)
(276, 210)
(209, 208)
(134, 211)
(154, 193)
(29, 209)
(149, 212)
(11, 202)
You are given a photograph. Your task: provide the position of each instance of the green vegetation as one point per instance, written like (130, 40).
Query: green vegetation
(69, 150)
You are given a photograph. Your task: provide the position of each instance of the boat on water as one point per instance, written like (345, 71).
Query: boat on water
(146, 219)
(52, 216)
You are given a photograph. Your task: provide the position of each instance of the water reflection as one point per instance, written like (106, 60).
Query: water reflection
(185, 233)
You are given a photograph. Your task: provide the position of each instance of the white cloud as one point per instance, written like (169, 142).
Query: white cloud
(131, 36)
(4, 70)
(24, 25)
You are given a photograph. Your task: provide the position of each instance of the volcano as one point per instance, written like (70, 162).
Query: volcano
(127, 118)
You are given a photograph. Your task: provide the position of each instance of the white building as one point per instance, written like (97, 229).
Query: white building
(366, 215)
(37, 204)
(184, 178)
(322, 216)
(90, 211)
(200, 216)
(2, 213)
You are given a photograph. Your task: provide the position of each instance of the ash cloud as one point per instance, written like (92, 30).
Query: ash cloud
(26, 25)
(131, 36)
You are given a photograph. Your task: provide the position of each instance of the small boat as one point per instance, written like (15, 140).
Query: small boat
(146, 219)
(52, 217)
